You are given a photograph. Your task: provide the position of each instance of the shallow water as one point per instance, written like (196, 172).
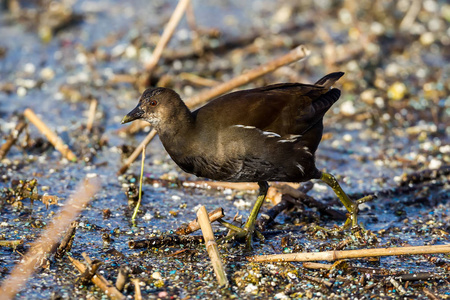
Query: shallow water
(368, 155)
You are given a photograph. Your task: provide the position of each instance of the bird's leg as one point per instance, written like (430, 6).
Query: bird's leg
(349, 204)
(249, 227)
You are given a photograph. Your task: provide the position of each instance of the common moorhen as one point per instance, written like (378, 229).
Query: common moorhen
(265, 134)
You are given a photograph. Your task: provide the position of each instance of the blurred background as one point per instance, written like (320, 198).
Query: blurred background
(57, 57)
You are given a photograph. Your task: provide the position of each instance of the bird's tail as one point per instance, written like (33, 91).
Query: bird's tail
(328, 80)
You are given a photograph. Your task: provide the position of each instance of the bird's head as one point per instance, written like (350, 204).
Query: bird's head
(155, 105)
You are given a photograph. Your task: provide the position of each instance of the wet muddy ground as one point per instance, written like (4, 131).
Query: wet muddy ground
(392, 121)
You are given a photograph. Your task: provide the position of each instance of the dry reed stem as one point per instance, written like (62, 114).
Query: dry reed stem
(134, 127)
(90, 271)
(11, 243)
(167, 34)
(137, 289)
(99, 281)
(430, 294)
(122, 278)
(136, 152)
(86, 257)
(398, 287)
(322, 281)
(194, 226)
(411, 15)
(91, 114)
(293, 55)
(50, 135)
(211, 246)
(336, 255)
(49, 238)
(313, 265)
(195, 79)
(12, 138)
(67, 240)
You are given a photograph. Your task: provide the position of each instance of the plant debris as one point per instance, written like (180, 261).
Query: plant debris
(80, 66)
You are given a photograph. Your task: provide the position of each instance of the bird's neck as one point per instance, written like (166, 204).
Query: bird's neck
(176, 130)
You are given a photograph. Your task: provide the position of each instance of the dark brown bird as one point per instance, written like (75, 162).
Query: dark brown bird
(258, 135)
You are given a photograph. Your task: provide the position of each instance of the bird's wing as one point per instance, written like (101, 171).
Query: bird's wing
(285, 109)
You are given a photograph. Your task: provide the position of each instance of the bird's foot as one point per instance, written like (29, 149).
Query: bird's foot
(249, 228)
(352, 220)
(351, 205)
(238, 233)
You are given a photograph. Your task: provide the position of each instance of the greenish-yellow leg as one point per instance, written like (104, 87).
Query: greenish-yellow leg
(249, 227)
(350, 205)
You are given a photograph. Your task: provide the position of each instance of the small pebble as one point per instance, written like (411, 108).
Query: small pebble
(397, 91)
(157, 276)
(347, 108)
(435, 164)
(251, 288)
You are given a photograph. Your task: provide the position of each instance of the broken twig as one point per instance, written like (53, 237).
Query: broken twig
(91, 114)
(211, 246)
(136, 152)
(12, 138)
(167, 240)
(66, 242)
(194, 226)
(99, 281)
(11, 243)
(50, 135)
(167, 34)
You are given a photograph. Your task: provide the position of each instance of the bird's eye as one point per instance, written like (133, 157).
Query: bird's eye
(153, 102)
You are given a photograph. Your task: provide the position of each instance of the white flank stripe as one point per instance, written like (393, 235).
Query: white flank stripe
(271, 134)
(300, 167)
(243, 126)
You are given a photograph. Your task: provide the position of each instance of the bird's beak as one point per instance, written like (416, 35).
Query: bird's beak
(135, 114)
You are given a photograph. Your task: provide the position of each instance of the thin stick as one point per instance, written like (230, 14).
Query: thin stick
(313, 265)
(40, 248)
(12, 138)
(211, 246)
(294, 55)
(50, 135)
(167, 34)
(336, 255)
(91, 114)
(122, 278)
(66, 242)
(136, 209)
(326, 283)
(136, 152)
(430, 294)
(194, 226)
(11, 243)
(90, 271)
(411, 15)
(137, 289)
(195, 79)
(166, 240)
(398, 287)
(86, 257)
(99, 281)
